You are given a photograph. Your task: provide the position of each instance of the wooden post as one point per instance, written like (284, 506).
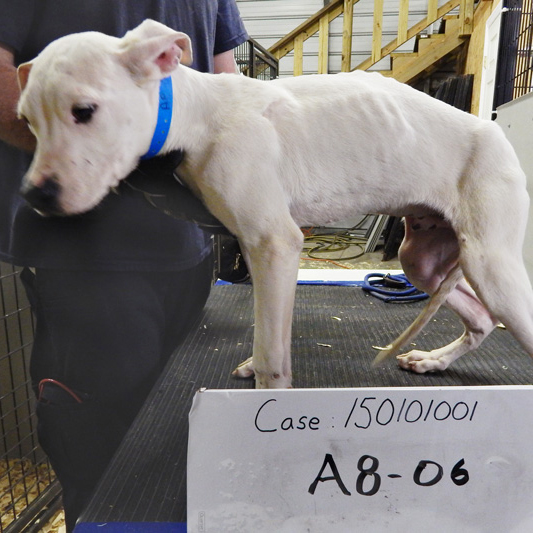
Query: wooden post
(347, 29)
(323, 45)
(466, 15)
(378, 30)
(299, 54)
(403, 21)
(433, 6)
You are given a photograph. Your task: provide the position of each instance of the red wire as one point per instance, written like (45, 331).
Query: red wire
(43, 382)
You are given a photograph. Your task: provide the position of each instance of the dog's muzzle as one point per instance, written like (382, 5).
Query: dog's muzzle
(45, 197)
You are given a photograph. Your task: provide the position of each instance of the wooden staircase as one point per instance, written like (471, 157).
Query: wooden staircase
(455, 18)
(429, 51)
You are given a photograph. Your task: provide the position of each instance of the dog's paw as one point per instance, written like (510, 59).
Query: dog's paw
(421, 362)
(273, 382)
(244, 370)
(262, 380)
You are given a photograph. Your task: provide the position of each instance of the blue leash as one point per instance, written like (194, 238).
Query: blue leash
(392, 289)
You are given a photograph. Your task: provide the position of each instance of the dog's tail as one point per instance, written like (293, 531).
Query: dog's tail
(437, 299)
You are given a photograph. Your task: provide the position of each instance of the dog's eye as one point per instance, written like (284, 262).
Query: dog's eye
(83, 113)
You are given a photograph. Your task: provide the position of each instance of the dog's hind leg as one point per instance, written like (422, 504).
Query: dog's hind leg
(500, 280)
(437, 299)
(491, 229)
(430, 257)
(478, 324)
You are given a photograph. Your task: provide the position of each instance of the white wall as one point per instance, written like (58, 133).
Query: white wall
(515, 118)
(267, 21)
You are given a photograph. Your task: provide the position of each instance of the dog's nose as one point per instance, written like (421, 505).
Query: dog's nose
(44, 197)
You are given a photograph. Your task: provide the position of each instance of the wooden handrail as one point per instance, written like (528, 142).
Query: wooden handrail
(309, 27)
(412, 32)
(319, 23)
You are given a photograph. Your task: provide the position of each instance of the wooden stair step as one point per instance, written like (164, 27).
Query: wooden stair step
(430, 50)
(422, 43)
(395, 55)
(450, 17)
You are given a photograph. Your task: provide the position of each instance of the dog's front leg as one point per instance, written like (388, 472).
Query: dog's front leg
(273, 263)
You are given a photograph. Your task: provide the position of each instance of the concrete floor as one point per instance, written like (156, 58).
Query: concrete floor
(369, 261)
(343, 248)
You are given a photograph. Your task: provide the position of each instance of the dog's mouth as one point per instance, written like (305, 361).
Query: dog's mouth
(71, 193)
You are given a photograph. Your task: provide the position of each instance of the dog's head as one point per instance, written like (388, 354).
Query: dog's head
(91, 101)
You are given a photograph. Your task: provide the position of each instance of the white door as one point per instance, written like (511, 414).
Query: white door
(490, 58)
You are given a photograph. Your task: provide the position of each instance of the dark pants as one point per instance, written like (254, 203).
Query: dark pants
(105, 336)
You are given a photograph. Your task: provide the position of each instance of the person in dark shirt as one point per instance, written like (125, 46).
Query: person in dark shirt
(115, 289)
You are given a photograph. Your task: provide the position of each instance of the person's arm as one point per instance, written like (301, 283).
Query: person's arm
(12, 130)
(225, 62)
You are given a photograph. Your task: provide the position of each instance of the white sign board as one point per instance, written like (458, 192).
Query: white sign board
(371, 460)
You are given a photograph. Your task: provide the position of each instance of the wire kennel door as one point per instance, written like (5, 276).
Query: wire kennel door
(255, 61)
(515, 55)
(27, 483)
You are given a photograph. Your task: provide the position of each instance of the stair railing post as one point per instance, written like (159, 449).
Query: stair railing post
(299, 55)
(466, 15)
(323, 45)
(433, 6)
(377, 34)
(403, 20)
(347, 33)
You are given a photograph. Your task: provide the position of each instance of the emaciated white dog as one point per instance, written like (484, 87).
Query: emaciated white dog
(267, 158)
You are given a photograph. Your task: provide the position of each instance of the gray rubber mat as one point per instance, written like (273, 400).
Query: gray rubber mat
(333, 334)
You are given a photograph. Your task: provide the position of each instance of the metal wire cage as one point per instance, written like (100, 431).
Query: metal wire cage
(27, 482)
(255, 61)
(515, 56)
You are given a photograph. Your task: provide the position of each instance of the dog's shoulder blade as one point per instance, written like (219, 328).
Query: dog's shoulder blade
(277, 108)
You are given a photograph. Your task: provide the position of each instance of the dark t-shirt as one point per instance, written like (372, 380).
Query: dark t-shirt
(124, 232)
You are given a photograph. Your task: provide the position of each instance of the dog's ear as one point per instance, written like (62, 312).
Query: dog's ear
(153, 50)
(23, 73)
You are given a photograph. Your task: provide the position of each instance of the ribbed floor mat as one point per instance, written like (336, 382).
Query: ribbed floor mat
(333, 334)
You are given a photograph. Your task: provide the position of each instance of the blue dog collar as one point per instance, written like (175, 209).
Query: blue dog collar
(164, 118)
